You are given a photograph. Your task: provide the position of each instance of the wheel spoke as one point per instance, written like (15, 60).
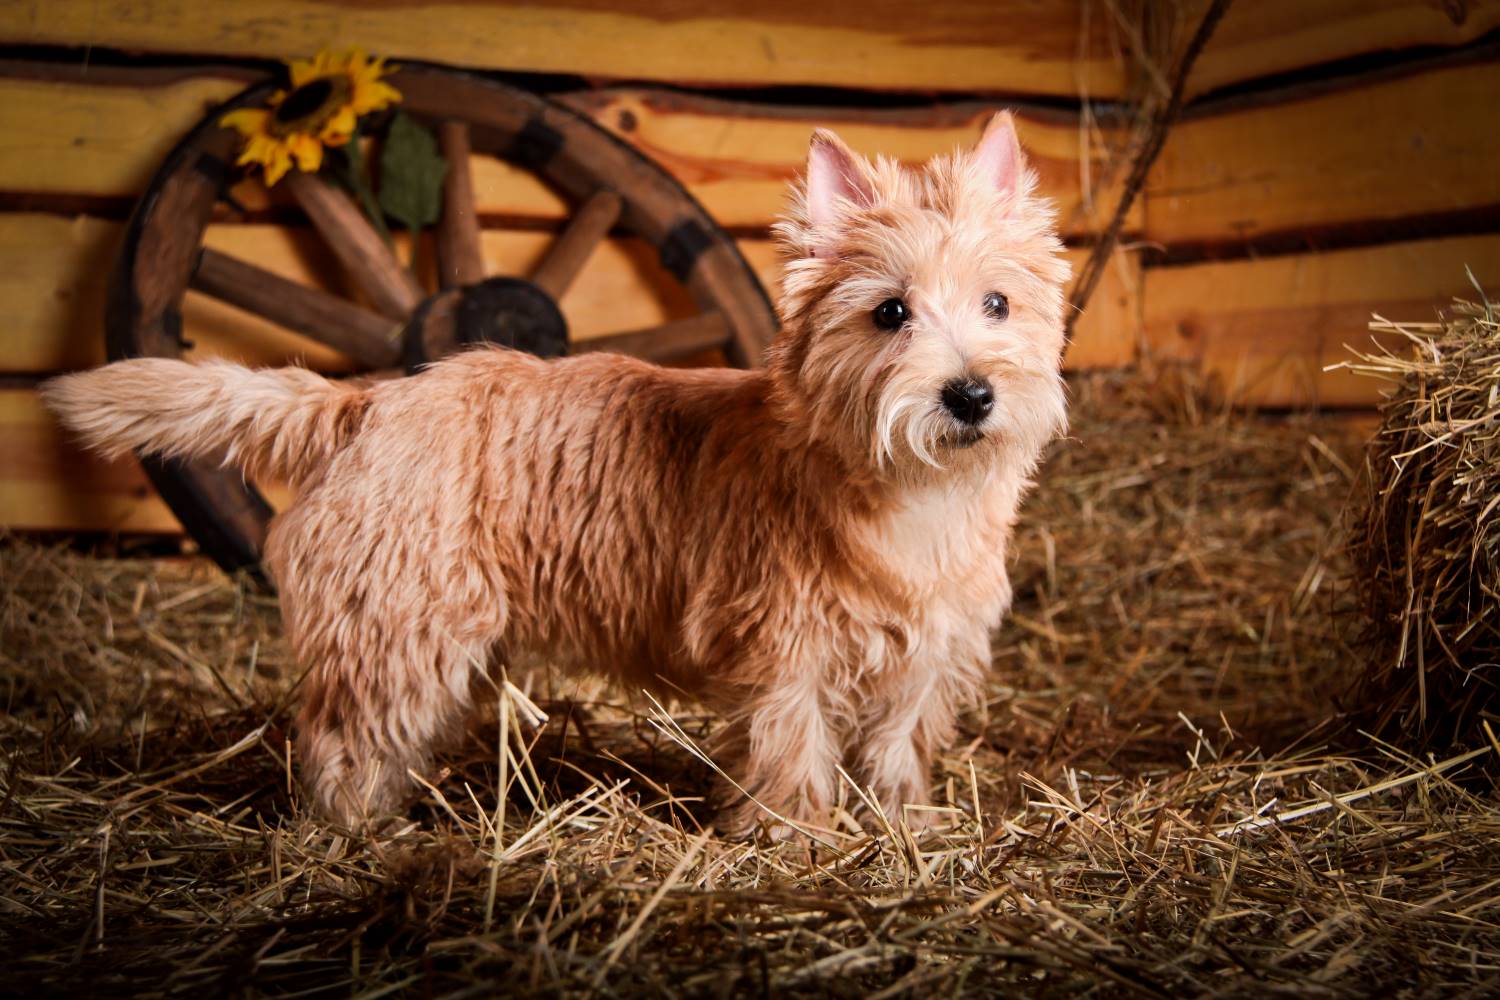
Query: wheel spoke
(668, 342)
(584, 232)
(460, 260)
(328, 319)
(389, 286)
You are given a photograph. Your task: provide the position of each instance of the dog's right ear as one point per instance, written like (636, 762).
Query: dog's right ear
(836, 179)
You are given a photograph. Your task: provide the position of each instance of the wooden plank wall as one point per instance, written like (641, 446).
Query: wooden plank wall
(1359, 178)
(1335, 158)
(77, 143)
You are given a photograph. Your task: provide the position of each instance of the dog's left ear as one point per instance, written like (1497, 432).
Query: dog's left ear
(999, 154)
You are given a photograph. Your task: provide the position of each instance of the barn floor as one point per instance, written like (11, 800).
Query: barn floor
(1161, 795)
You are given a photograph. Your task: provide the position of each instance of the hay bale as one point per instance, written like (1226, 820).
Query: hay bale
(1425, 536)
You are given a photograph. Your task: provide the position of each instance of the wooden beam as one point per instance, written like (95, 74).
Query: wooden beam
(1403, 148)
(1001, 46)
(738, 158)
(459, 256)
(53, 277)
(1108, 333)
(576, 243)
(369, 262)
(54, 272)
(1267, 37)
(1267, 328)
(99, 137)
(80, 135)
(369, 339)
(667, 342)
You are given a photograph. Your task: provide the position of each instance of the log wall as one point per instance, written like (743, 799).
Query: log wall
(1335, 158)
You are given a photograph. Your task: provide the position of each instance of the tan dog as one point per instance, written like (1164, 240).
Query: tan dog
(817, 550)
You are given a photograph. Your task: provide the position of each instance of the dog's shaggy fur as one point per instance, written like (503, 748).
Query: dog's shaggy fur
(816, 549)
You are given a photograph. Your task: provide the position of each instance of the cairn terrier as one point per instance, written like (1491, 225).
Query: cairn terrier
(816, 549)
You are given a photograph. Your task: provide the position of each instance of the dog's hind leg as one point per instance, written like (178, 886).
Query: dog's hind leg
(387, 600)
(371, 715)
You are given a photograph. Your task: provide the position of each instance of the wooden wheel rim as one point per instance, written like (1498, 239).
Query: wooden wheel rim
(228, 516)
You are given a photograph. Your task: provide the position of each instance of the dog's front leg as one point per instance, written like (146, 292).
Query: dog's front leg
(902, 724)
(782, 750)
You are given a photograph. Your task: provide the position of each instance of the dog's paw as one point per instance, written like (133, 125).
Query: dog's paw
(749, 821)
(739, 819)
(918, 819)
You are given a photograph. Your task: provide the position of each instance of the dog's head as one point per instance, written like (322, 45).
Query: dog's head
(923, 306)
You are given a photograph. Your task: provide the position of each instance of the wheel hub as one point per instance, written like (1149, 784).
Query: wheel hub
(511, 312)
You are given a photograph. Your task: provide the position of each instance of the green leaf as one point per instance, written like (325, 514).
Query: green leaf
(411, 174)
(346, 165)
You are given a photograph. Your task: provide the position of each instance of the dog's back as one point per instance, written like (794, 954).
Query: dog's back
(570, 506)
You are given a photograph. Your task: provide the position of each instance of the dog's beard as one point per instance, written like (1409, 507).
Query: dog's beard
(964, 437)
(921, 430)
(916, 428)
(906, 425)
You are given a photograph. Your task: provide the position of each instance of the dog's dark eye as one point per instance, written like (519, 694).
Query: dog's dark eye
(890, 314)
(997, 305)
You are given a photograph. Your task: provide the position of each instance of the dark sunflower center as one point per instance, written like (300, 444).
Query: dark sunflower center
(310, 105)
(304, 100)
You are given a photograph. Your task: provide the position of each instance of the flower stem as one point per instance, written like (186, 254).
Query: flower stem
(355, 177)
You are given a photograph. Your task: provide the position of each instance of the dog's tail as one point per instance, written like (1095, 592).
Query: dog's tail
(283, 423)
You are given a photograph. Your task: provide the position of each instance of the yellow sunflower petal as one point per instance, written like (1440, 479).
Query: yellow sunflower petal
(259, 149)
(307, 151)
(369, 93)
(277, 165)
(246, 121)
(251, 151)
(376, 68)
(302, 70)
(334, 62)
(337, 130)
(372, 96)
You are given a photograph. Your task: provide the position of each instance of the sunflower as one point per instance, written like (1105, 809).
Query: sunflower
(329, 93)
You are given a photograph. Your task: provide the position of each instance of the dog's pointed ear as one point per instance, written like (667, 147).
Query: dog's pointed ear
(835, 175)
(999, 154)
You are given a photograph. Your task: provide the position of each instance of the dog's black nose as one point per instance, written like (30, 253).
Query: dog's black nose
(969, 399)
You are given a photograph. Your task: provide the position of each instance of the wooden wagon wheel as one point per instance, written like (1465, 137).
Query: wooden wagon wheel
(401, 324)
